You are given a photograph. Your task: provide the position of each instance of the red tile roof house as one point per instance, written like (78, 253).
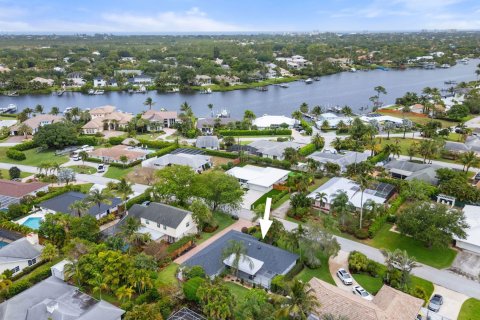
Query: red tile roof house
(12, 191)
(36, 122)
(113, 154)
(160, 119)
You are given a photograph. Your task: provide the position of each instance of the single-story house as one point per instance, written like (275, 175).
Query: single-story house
(62, 203)
(45, 81)
(160, 119)
(99, 82)
(13, 191)
(382, 119)
(268, 122)
(141, 79)
(272, 149)
(53, 298)
(378, 194)
(202, 80)
(106, 118)
(403, 169)
(456, 147)
(206, 125)
(113, 154)
(21, 253)
(258, 178)
(198, 162)
(36, 122)
(207, 142)
(164, 222)
(267, 260)
(230, 80)
(472, 241)
(332, 119)
(7, 123)
(342, 159)
(388, 303)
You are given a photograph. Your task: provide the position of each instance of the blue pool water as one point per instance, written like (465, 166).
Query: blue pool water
(3, 244)
(33, 222)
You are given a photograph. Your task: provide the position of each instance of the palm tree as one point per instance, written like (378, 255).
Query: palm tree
(124, 160)
(210, 107)
(124, 292)
(337, 144)
(364, 181)
(54, 111)
(39, 108)
(304, 107)
(321, 197)
(388, 126)
(98, 283)
(297, 114)
(98, 197)
(25, 130)
(291, 155)
(236, 252)
(249, 116)
(394, 149)
(300, 302)
(124, 189)
(79, 207)
(149, 102)
(317, 111)
(312, 165)
(84, 156)
(347, 111)
(341, 205)
(318, 141)
(469, 159)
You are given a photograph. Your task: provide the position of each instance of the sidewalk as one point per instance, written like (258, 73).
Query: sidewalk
(236, 226)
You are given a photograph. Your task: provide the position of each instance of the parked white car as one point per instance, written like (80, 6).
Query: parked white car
(345, 277)
(362, 293)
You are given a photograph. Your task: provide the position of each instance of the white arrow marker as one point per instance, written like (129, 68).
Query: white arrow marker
(265, 224)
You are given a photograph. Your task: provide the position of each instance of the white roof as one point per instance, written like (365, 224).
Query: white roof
(351, 188)
(246, 264)
(264, 177)
(61, 265)
(192, 160)
(382, 119)
(267, 121)
(333, 119)
(7, 123)
(472, 216)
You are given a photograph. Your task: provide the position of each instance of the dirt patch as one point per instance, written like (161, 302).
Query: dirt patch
(218, 161)
(142, 176)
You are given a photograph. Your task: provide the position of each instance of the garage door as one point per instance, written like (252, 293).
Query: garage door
(250, 197)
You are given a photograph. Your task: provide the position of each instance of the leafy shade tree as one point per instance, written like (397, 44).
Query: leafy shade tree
(256, 305)
(236, 253)
(300, 204)
(124, 189)
(291, 155)
(149, 102)
(201, 214)
(49, 252)
(417, 190)
(432, 223)
(66, 175)
(14, 173)
(84, 156)
(54, 111)
(56, 136)
(124, 160)
(219, 190)
(144, 311)
(304, 107)
(174, 183)
(300, 301)
(216, 300)
(85, 227)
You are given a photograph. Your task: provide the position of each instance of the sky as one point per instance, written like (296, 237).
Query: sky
(194, 16)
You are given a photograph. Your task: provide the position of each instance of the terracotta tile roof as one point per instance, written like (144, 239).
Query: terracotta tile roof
(37, 120)
(116, 152)
(388, 304)
(121, 117)
(103, 109)
(154, 115)
(19, 189)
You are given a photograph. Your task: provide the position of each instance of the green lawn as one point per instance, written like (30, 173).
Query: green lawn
(149, 136)
(223, 220)
(34, 158)
(263, 199)
(83, 169)
(425, 284)
(238, 291)
(85, 187)
(166, 277)
(369, 283)
(5, 175)
(435, 257)
(317, 183)
(117, 173)
(470, 310)
(322, 273)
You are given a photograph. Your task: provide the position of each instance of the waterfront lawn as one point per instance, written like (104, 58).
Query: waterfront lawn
(34, 158)
(322, 273)
(470, 310)
(117, 173)
(166, 277)
(223, 220)
(435, 257)
(83, 169)
(5, 175)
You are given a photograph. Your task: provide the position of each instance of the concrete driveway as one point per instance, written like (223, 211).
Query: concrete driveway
(452, 302)
(466, 263)
(340, 261)
(250, 197)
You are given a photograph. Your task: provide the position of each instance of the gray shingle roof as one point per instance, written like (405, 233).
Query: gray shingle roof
(274, 148)
(160, 213)
(20, 249)
(62, 202)
(275, 260)
(72, 304)
(456, 146)
(342, 159)
(412, 170)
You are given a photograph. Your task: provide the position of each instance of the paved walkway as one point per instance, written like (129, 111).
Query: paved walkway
(238, 225)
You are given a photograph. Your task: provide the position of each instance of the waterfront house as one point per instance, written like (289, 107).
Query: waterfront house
(379, 193)
(128, 72)
(202, 80)
(258, 178)
(141, 79)
(75, 79)
(43, 81)
(198, 162)
(36, 122)
(261, 263)
(99, 82)
(230, 80)
(164, 222)
(271, 122)
(157, 120)
(332, 119)
(12, 191)
(53, 298)
(207, 125)
(207, 142)
(114, 154)
(21, 253)
(61, 204)
(106, 118)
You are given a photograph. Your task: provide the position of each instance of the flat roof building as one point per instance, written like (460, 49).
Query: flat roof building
(258, 178)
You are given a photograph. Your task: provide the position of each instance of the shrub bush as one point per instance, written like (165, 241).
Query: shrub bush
(357, 262)
(115, 140)
(307, 150)
(376, 225)
(267, 132)
(190, 288)
(16, 155)
(155, 144)
(12, 226)
(195, 271)
(14, 173)
(294, 271)
(90, 140)
(137, 200)
(222, 154)
(420, 293)
(381, 156)
(15, 288)
(162, 152)
(27, 145)
(361, 234)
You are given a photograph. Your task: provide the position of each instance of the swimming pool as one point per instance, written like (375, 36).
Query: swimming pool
(3, 244)
(33, 222)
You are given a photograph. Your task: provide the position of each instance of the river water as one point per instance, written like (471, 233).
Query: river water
(347, 88)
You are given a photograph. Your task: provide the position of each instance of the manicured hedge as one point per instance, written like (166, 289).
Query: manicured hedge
(27, 145)
(155, 144)
(115, 140)
(272, 132)
(162, 152)
(16, 155)
(307, 150)
(137, 200)
(90, 140)
(124, 166)
(378, 158)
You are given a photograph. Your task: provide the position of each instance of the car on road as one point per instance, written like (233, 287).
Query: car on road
(358, 290)
(435, 303)
(345, 277)
(101, 168)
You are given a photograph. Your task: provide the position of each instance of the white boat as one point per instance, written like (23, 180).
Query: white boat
(12, 94)
(283, 85)
(91, 91)
(142, 89)
(223, 114)
(97, 92)
(464, 60)
(445, 66)
(67, 110)
(11, 108)
(207, 91)
(173, 90)
(309, 81)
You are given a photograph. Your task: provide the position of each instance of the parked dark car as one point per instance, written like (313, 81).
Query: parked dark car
(435, 303)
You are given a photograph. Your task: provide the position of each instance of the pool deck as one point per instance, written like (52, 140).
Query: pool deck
(37, 214)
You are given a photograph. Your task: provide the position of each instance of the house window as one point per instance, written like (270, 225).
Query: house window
(16, 269)
(147, 222)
